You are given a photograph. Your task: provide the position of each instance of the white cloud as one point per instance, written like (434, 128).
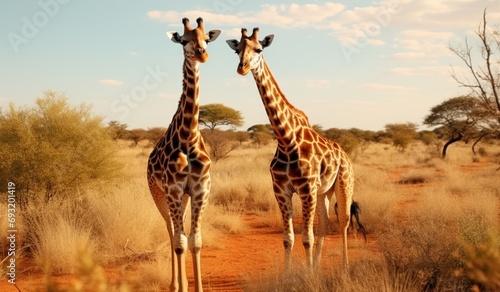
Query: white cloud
(361, 24)
(110, 82)
(444, 14)
(293, 15)
(422, 45)
(233, 33)
(174, 17)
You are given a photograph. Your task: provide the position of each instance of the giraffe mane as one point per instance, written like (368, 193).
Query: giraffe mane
(295, 110)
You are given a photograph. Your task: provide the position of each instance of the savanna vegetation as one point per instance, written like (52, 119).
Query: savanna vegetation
(433, 223)
(84, 208)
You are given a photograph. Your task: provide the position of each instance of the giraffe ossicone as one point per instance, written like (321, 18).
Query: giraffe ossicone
(305, 163)
(179, 164)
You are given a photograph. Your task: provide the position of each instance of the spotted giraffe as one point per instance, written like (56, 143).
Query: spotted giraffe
(178, 166)
(305, 163)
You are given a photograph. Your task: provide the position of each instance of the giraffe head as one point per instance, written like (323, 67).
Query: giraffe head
(249, 49)
(194, 40)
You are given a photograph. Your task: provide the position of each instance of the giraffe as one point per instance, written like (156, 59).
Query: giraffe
(178, 167)
(305, 163)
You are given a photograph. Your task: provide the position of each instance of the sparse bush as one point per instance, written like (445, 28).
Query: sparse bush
(220, 143)
(402, 134)
(482, 152)
(417, 177)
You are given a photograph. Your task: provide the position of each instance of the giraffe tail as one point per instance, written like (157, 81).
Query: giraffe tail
(355, 211)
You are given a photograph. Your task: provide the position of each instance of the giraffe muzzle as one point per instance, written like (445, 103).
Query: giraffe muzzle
(242, 68)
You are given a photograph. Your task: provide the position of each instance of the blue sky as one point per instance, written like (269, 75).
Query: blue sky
(346, 64)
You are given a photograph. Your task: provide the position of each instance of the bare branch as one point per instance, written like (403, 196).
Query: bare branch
(483, 35)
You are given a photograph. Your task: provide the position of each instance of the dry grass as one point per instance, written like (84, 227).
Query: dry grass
(242, 180)
(365, 275)
(434, 221)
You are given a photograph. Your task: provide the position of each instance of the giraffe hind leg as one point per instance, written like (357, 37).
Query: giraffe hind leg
(323, 206)
(286, 209)
(355, 213)
(343, 192)
(160, 200)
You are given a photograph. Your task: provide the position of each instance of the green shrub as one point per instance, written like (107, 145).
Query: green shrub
(53, 149)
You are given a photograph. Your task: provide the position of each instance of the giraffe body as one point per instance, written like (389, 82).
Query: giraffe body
(179, 165)
(305, 163)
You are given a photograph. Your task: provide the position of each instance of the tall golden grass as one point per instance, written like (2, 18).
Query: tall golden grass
(432, 220)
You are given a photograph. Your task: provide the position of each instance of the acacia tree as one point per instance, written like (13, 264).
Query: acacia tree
(460, 118)
(220, 143)
(216, 114)
(136, 135)
(261, 133)
(117, 130)
(155, 134)
(483, 78)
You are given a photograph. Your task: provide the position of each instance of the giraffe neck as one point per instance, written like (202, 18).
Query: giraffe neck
(189, 109)
(285, 119)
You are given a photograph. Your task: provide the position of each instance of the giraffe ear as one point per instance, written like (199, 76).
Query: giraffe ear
(233, 44)
(213, 35)
(266, 42)
(174, 36)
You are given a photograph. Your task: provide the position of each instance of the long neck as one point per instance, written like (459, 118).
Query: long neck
(189, 108)
(283, 116)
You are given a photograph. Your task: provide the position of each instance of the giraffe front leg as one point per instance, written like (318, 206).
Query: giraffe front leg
(308, 210)
(286, 209)
(176, 202)
(174, 281)
(198, 204)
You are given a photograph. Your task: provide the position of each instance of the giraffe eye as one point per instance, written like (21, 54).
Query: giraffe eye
(184, 43)
(258, 51)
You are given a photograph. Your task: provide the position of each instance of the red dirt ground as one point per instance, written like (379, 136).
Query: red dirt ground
(240, 259)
